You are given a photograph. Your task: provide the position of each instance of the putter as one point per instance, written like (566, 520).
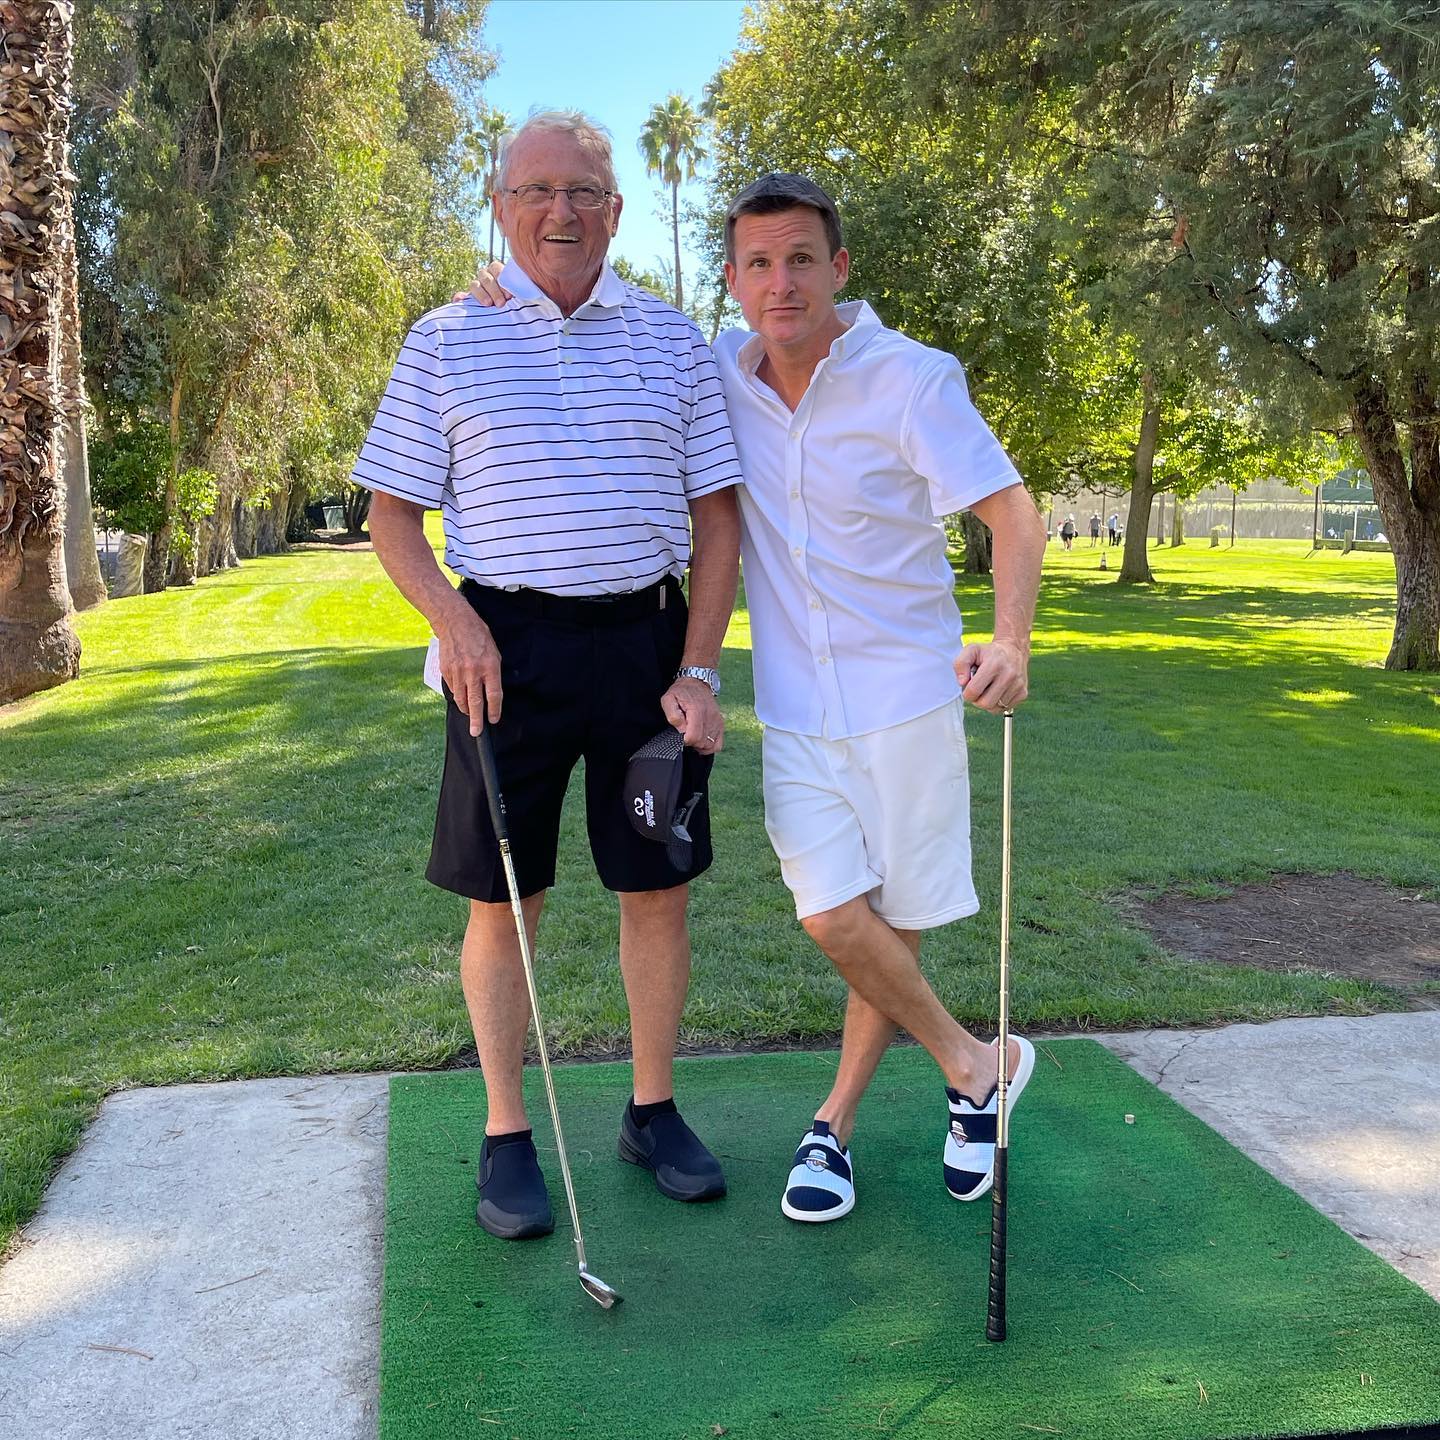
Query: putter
(995, 1313)
(601, 1293)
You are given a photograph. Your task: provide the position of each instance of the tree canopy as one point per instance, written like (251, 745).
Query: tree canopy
(269, 194)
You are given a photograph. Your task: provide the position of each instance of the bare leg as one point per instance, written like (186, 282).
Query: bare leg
(868, 1035)
(881, 966)
(655, 965)
(493, 979)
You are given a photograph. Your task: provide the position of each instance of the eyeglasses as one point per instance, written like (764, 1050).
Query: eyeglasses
(582, 197)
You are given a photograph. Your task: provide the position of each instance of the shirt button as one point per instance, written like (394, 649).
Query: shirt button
(814, 604)
(796, 552)
(794, 494)
(824, 659)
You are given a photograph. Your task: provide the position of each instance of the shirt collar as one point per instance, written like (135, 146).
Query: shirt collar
(608, 294)
(861, 323)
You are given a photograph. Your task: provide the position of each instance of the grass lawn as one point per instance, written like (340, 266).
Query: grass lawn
(214, 842)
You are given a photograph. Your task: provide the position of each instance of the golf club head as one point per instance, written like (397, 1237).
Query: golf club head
(599, 1291)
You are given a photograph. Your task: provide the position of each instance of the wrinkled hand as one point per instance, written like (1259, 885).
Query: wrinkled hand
(470, 665)
(995, 676)
(693, 710)
(485, 287)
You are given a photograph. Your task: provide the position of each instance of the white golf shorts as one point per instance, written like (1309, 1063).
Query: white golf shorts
(885, 815)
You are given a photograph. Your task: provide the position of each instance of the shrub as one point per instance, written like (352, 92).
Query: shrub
(127, 476)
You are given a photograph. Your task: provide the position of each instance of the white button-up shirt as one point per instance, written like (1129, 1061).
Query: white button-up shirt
(852, 599)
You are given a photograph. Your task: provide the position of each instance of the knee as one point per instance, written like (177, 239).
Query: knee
(834, 931)
(664, 908)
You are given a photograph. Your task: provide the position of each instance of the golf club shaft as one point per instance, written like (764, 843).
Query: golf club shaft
(995, 1316)
(497, 819)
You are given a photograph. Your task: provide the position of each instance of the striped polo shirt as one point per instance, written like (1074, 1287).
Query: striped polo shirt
(561, 451)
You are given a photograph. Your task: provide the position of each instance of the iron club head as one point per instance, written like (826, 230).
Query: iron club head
(599, 1291)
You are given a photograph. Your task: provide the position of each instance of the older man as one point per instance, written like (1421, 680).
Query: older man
(575, 441)
(854, 440)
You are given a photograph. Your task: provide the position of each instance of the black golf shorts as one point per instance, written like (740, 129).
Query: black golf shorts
(582, 680)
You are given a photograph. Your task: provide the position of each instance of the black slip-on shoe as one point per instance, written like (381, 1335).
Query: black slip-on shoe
(514, 1204)
(683, 1168)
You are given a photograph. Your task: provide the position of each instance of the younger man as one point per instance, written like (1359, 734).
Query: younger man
(854, 441)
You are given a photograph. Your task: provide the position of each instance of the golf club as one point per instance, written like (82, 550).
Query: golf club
(601, 1293)
(995, 1314)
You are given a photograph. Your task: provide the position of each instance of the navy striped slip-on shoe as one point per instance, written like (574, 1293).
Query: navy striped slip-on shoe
(970, 1139)
(821, 1186)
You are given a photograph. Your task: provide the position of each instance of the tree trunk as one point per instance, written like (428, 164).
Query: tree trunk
(1409, 502)
(157, 560)
(220, 550)
(977, 543)
(1135, 564)
(675, 226)
(244, 528)
(82, 557)
(357, 509)
(38, 645)
(82, 563)
(1177, 524)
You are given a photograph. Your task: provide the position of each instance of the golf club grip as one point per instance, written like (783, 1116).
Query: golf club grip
(995, 1315)
(492, 781)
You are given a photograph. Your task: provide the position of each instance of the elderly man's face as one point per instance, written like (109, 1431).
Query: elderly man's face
(559, 246)
(784, 277)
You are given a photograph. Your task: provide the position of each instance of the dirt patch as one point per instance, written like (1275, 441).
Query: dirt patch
(1337, 924)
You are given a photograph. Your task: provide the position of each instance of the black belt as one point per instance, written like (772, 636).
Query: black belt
(580, 609)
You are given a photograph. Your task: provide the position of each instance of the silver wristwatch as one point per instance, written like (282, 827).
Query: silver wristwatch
(699, 672)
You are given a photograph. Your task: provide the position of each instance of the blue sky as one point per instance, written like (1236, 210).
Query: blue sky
(613, 59)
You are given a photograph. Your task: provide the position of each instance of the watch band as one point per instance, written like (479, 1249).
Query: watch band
(700, 672)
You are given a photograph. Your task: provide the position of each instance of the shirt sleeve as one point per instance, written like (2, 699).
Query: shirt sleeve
(407, 453)
(711, 462)
(944, 440)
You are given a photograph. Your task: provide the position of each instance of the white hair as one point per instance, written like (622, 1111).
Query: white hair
(591, 136)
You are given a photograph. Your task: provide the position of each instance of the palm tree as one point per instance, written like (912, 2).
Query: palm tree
(484, 141)
(670, 146)
(38, 646)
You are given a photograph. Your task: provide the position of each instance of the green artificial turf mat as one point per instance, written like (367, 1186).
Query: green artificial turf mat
(1161, 1284)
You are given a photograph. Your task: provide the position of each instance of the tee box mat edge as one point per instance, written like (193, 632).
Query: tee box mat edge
(1161, 1284)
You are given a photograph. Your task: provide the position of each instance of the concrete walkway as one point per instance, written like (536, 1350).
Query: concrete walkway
(208, 1263)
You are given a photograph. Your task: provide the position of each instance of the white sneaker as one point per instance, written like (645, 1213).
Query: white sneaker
(970, 1140)
(821, 1186)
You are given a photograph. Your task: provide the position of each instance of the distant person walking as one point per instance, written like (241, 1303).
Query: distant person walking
(1067, 532)
(1094, 531)
(1113, 525)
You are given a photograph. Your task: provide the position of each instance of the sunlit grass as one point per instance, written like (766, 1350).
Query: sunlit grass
(214, 842)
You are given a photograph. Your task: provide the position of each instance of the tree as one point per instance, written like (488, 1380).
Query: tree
(1266, 174)
(272, 190)
(482, 145)
(670, 146)
(38, 645)
(948, 223)
(82, 562)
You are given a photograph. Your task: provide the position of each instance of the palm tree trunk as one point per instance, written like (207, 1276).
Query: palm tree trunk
(675, 225)
(38, 645)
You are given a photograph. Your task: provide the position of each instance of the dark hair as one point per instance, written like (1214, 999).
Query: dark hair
(780, 191)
